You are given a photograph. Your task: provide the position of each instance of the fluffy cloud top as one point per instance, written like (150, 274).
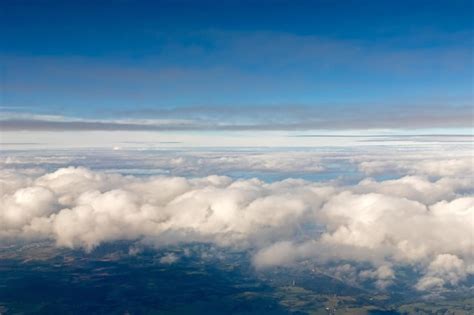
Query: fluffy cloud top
(413, 220)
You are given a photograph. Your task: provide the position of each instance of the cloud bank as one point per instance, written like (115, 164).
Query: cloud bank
(290, 117)
(422, 222)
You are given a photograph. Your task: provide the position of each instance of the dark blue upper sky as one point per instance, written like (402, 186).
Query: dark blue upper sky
(229, 61)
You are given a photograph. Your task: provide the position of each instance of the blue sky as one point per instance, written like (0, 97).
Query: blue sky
(236, 65)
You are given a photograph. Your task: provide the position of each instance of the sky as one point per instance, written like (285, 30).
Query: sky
(234, 68)
(382, 92)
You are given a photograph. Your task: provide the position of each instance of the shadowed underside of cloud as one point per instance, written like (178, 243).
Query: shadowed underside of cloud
(413, 221)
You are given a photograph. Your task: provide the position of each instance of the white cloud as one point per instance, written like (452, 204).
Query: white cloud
(423, 164)
(180, 162)
(445, 269)
(413, 220)
(281, 253)
(416, 188)
(383, 276)
(169, 259)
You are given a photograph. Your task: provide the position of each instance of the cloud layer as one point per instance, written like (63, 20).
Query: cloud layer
(415, 220)
(253, 118)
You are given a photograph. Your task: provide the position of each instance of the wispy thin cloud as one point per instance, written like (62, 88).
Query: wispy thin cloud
(259, 118)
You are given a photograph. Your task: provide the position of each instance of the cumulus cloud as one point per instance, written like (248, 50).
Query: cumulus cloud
(445, 269)
(281, 253)
(383, 276)
(420, 165)
(410, 221)
(250, 161)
